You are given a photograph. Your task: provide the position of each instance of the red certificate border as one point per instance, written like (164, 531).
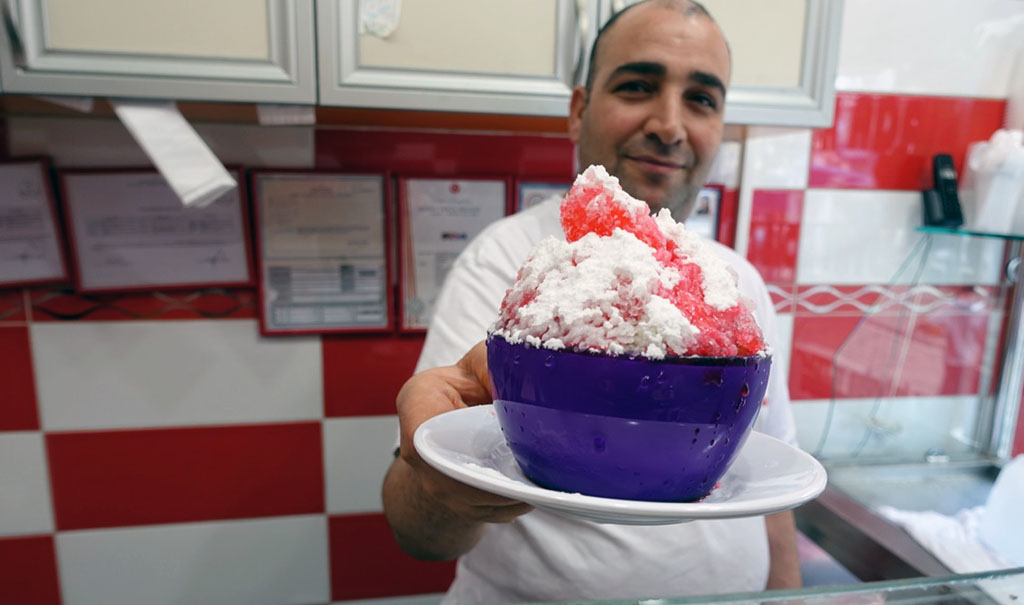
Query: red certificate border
(389, 283)
(45, 167)
(236, 171)
(404, 230)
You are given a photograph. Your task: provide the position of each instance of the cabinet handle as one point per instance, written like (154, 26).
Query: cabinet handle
(582, 29)
(14, 33)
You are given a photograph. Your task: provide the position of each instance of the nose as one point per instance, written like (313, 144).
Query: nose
(666, 121)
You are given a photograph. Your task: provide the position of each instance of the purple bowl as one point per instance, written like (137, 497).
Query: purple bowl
(618, 427)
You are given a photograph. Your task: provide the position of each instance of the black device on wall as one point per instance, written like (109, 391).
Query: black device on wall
(942, 204)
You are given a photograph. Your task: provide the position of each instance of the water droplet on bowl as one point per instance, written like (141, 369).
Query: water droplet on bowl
(744, 390)
(645, 383)
(600, 444)
(549, 361)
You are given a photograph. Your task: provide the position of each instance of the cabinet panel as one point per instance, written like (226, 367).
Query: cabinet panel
(235, 29)
(469, 36)
(784, 57)
(488, 56)
(230, 50)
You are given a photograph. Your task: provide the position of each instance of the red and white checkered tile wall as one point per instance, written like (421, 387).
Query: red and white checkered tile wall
(153, 448)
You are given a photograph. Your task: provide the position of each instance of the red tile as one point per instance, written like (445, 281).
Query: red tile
(887, 141)
(117, 478)
(28, 571)
(727, 213)
(18, 409)
(783, 297)
(846, 300)
(363, 374)
(445, 154)
(53, 304)
(366, 562)
(12, 305)
(886, 355)
(775, 233)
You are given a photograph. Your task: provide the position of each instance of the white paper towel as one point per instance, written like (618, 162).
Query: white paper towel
(179, 153)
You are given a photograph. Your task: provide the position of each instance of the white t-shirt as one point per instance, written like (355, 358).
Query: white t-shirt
(543, 556)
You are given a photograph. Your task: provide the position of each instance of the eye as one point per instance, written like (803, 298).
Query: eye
(704, 99)
(633, 87)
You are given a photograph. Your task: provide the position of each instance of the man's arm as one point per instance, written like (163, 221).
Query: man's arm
(784, 567)
(433, 516)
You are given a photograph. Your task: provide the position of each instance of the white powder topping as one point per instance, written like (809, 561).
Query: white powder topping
(596, 293)
(720, 290)
(597, 176)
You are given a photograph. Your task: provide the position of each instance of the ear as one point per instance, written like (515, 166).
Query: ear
(577, 105)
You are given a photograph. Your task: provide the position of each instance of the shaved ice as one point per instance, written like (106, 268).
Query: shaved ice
(626, 283)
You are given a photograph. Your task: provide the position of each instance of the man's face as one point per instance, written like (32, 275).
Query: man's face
(654, 114)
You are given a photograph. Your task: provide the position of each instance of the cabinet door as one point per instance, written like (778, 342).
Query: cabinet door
(491, 56)
(784, 55)
(225, 50)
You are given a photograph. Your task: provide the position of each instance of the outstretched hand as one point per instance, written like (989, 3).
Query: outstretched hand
(441, 390)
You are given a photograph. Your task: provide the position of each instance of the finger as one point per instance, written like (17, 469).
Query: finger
(474, 363)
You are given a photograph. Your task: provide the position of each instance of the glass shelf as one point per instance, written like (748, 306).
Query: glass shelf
(990, 588)
(1017, 237)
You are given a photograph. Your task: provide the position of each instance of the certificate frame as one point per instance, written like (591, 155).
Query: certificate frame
(266, 326)
(530, 191)
(42, 179)
(72, 214)
(707, 212)
(406, 251)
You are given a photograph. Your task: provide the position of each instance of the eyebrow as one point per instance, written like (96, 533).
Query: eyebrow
(651, 68)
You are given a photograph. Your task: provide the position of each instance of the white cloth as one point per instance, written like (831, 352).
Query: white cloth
(547, 557)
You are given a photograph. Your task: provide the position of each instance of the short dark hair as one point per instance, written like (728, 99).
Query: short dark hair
(692, 7)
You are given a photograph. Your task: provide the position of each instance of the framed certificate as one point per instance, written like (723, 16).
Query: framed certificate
(531, 193)
(704, 219)
(30, 242)
(129, 231)
(437, 218)
(322, 242)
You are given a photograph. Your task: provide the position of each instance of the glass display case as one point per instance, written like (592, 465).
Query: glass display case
(1002, 588)
(941, 454)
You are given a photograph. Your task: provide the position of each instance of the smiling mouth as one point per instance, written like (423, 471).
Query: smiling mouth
(657, 164)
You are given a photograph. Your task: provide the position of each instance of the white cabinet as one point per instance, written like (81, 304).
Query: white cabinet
(225, 50)
(491, 56)
(784, 55)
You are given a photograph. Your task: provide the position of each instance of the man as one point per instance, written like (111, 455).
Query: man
(652, 114)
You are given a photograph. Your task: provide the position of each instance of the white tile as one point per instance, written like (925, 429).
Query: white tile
(24, 485)
(867, 237)
(273, 561)
(777, 158)
(934, 47)
(167, 373)
(357, 454)
(725, 170)
(425, 599)
(91, 142)
(897, 429)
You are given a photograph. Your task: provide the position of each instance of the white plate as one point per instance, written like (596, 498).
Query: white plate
(767, 476)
